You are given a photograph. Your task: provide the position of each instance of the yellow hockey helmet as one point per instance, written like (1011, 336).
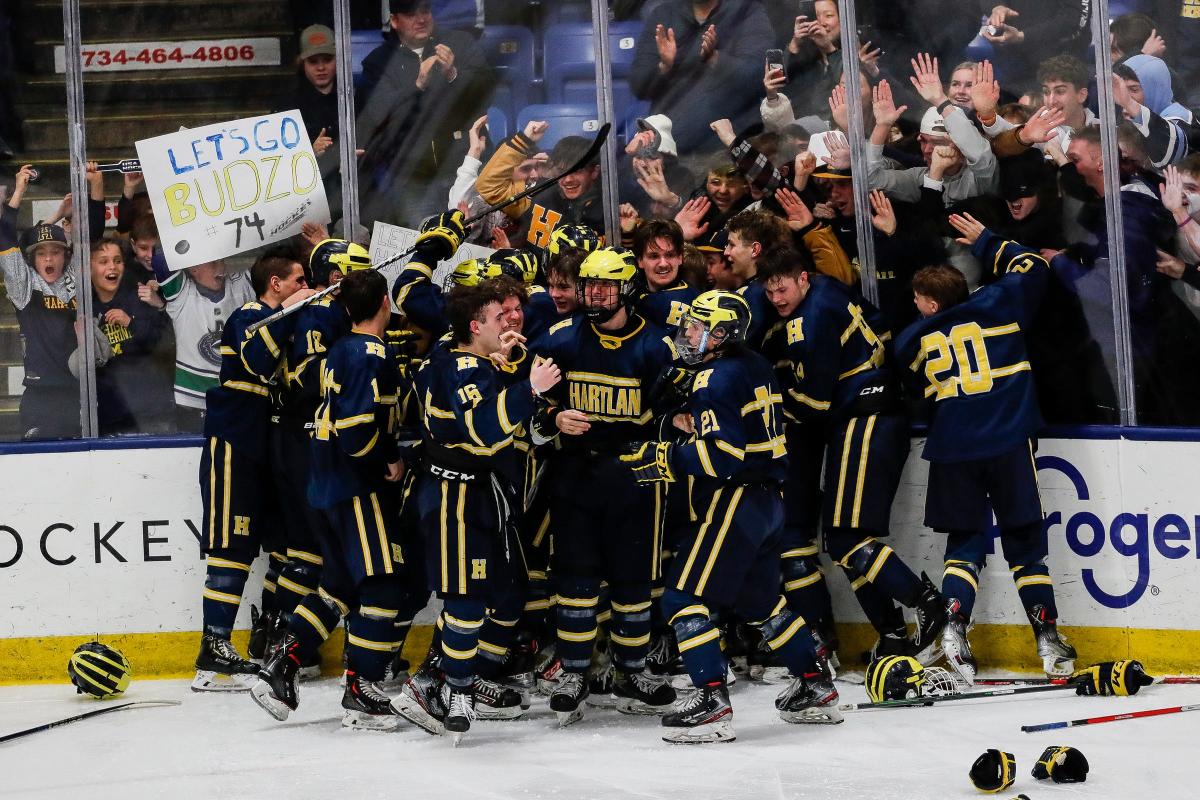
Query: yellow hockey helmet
(608, 265)
(715, 319)
(895, 678)
(573, 237)
(336, 254)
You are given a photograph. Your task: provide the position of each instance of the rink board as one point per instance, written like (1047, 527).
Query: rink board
(102, 539)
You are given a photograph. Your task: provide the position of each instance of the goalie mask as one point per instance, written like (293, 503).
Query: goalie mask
(715, 320)
(606, 282)
(895, 678)
(98, 670)
(338, 255)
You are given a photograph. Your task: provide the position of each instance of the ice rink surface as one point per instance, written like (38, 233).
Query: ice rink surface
(219, 746)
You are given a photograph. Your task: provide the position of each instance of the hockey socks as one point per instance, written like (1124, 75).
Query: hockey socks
(223, 586)
(270, 589)
(699, 642)
(871, 561)
(629, 627)
(786, 634)
(459, 627)
(577, 623)
(298, 578)
(960, 580)
(804, 584)
(313, 619)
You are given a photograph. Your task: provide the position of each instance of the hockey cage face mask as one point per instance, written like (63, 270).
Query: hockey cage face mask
(696, 339)
(600, 298)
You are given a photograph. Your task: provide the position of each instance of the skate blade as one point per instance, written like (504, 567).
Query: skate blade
(412, 711)
(206, 681)
(261, 694)
(566, 718)
(361, 720)
(962, 668)
(929, 654)
(820, 715)
(456, 738)
(498, 714)
(626, 705)
(720, 731)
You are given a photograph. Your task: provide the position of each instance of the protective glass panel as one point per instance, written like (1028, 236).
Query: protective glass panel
(38, 340)
(212, 133)
(986, 120)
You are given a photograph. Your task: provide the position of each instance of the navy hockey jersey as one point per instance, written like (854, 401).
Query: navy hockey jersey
(609, 375)
(354, 434)
(666, 307)
(540, 313)
(760, 310)
(419, 298)
(239, 407)
(971, 361)
(471, 414)
(736, 409)
(827, 356)
(319, 326)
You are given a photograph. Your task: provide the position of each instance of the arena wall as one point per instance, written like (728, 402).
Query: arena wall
(100, 539)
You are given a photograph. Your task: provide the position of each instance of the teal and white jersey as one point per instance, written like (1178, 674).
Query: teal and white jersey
(199, 317)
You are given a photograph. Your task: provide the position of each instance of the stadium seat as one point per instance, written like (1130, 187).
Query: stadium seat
(569, 56)
(568, 11)
(565, 120)
(363, 42)
(510, 51)
(497, 124)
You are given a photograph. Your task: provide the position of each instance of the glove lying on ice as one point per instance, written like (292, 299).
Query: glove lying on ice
(1120, 678)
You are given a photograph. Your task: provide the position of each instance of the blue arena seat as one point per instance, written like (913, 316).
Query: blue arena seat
(569, 56)
(497, 124)
(567, 11)
(363, 42)
(566, 119)
(510, 51)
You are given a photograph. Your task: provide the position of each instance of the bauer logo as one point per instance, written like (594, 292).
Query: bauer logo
(1137, 538)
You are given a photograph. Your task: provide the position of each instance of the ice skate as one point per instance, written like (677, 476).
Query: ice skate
(220, 668)
(955, 645)
(811, 700)
(568, 696)
(642, 693)
(262, 631)
(396, 674)
(703, 715)
(420, 702)
(495, 701)
(600, 683)
(1058, 657)
(549, 672)
(930, 608)
(519, 672)
(367, 706)
(275, 690)
(460, 711)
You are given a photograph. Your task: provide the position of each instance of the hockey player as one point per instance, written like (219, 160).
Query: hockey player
(611, 358)
(664, 296)
(467, 502)
(967, 358)
(355, 468)
(239, 516)
(319, 325)
(834, 372)
(545, 309)
(729, 560)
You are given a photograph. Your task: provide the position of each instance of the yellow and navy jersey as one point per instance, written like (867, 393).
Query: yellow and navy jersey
(419, 298)
(319, 326)
(239, 407)
(470, 414)
(828, 357)
(737, 413)
(666, 307)
(971, 362)
(761, 310)
(354, 429)
(609, 375)
(540, 313)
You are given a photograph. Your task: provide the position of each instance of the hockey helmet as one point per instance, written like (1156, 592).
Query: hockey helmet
(98, 670)
(895, 678)
(336, 254)
(715, 320)
(607, 265)
(466, 273)
(519, 264)
(573, 237)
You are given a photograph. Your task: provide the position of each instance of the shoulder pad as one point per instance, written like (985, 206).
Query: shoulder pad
(558, 326)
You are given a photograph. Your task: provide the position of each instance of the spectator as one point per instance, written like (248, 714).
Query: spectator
(132, 395)
(1064, 82)
(650, 176)
(694, 61)
(574, 201)
(143, 239)
(1133, 34)
(198, 301)
(725, 193)
(41, 287)
(466, 198)
(1142, 90)
(1027, 29)
(421, 90)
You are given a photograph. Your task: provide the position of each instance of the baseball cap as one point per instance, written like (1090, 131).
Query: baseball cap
(1023, 176)
(44, 233)
(715, 242)
(316, 40)
(406, 6)
(833, 174)
(932, 123)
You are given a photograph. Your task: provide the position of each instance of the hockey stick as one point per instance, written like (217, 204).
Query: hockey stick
(592, 152)
(1075, 723)
(96, 713)
(917, 702)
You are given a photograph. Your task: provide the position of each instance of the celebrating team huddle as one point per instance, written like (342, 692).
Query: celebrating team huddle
(617, 486)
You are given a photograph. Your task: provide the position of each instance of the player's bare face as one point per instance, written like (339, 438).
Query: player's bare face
(514, 315)
(661, 262)
(1022, 207)
(49, 260)
(293, 283)
(740, 254)
(562, 292)
(785, 294)
(108, 265)
(320, 71)
(414, 29)
(488, 327)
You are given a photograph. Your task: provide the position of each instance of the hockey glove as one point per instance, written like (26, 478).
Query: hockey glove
(440, 237)
(651, 462)
(1119, 678)
(993, 771)
(1061, 765)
